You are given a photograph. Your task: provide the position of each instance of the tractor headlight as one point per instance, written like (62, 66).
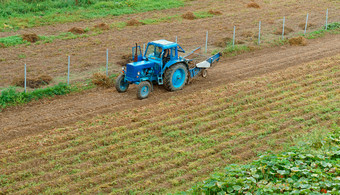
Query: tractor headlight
(138, 73)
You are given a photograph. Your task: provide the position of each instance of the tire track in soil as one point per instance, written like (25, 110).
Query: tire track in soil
(58, 112)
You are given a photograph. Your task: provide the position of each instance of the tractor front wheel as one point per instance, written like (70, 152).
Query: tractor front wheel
(121, 84)
(176, 77)
(144, 89)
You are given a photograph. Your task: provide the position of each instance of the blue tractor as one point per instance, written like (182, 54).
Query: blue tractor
(161, 65)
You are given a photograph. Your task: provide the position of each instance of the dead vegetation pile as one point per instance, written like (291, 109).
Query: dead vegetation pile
(102, 80)
(102, 26)
(287, 31)
(30, 37)
(253, 5)
(189, 16)
(34, 82)
(214, 12)
(134, 22)
(76, 30)
(2, 45)
(223, 42)
(309, 25)
(125, 59)
(298, 41)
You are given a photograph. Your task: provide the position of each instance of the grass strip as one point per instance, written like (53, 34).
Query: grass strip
(11, 97)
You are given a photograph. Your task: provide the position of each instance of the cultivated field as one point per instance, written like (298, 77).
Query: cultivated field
(170, 145)
(87, 52)
(101, 141)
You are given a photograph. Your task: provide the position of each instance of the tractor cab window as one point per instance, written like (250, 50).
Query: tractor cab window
(173, 52)
(153, 52)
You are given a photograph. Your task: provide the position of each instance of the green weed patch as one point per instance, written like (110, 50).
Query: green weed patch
(201, 15)
(333, 28)
(12, 40)
(11, 97)
(231, 50)
(17, 40)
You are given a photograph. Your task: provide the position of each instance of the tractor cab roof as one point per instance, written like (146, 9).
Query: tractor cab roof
(164, 44)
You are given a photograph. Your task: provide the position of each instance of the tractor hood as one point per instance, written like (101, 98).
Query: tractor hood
(133, 68)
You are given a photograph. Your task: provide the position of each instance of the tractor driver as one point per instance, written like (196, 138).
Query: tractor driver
(166, 55)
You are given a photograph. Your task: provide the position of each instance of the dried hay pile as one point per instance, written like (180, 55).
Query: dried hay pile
(34, 82)
(31, 37)
(298, 41)
(102, 80)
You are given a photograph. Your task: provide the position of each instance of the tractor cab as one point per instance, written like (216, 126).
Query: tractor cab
(157, 57)
(162, 51)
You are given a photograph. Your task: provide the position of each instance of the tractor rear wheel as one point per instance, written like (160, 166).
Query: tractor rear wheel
(175, 77)
(144, 89)
(121, 85)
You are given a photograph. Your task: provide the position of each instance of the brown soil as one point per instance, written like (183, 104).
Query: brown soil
(2, 45)
(309, 25)
(189, 16)
(77, 30)
(134, 22)
(60, 111)
(125, 59)
(223, 42)
(49, 58)
(298, 41)
(253, 5)
(35, 82)
(102, 26)
(248, 34)
(214, 12)
(32, 37)
(287, 31)
(102, 80)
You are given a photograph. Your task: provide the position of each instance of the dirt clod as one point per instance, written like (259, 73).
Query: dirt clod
(223, 42)
(102, 80)
(76, 30)
(298, 41)
(102, 26)
(214, 12)
(34, 82)
(31, 37)
(189, 16)
(309, 25)
(253, 5)
(134, 22)
(287, 31)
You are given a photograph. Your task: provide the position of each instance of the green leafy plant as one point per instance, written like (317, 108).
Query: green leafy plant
(231, 50)
(11, 96)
